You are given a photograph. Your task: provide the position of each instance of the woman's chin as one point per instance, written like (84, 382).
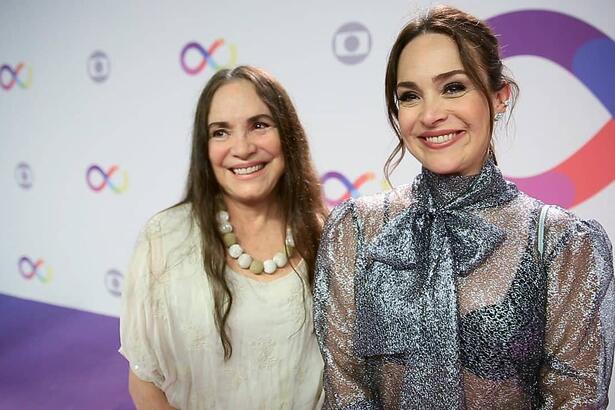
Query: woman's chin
(452, 167)
(443, 168)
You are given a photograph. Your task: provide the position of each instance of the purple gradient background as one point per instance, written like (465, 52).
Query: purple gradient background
(58, 358)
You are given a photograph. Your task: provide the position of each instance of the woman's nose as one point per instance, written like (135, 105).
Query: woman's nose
(433, 112)
(243, 146)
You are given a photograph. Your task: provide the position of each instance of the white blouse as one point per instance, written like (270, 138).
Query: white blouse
(168, 333)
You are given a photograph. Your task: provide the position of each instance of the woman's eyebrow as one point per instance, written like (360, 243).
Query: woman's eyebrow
(260, 116)
(439, 77)
(451, 73)
(221, 124)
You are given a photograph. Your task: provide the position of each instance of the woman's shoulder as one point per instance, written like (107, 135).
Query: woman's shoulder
(561, 220)
(173, 231)
(173, 220)
(174, 239)
(390, 201)
(369, 212)
(564, 228)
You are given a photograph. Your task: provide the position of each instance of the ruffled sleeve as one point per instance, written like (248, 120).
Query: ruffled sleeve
(580, 326)
(139, 327)
(345, 381)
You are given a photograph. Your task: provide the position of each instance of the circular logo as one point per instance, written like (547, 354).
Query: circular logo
(99, 66)
(113, 282)
(23, 175)
(352, 43)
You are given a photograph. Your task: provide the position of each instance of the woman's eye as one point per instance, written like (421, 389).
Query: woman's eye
(221, 133)
(260, 125)
(454, 88)
(407, 97)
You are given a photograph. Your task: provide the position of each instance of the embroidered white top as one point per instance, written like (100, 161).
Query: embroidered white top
(169, 337)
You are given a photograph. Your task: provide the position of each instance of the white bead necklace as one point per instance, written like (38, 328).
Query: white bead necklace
(244, 260)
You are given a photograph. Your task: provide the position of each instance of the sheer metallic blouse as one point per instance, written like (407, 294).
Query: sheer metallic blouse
(435, 296)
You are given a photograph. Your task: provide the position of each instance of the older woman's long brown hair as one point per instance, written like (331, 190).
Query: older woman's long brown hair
(298, 189)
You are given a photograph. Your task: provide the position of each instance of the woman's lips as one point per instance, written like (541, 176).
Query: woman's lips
(249, 170)
(438, 140)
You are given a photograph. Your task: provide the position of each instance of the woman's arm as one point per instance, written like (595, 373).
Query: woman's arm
(145, 395)
(139, 325)
(334, 313)
(579, 335)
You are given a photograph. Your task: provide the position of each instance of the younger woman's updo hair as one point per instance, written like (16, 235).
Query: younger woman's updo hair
(480, 55)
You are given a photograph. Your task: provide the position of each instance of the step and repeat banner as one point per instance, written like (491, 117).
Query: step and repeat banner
(97, 101)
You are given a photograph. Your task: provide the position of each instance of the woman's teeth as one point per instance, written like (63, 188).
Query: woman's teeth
(248, 170)
(440, 139)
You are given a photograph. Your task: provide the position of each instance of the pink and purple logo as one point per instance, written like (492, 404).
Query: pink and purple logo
(97, 179)
(195, 53)
(589, 55)
(351, 188)
(29, 269)
(20, 75)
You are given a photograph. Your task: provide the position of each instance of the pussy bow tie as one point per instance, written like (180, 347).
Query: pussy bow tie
(438, 218)
(406, 294)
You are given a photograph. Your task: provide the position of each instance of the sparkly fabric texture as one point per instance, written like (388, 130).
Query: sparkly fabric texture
(434, 296)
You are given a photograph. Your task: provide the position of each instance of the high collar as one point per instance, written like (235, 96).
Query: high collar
(443, 212)
(454, 192)
(406, 297)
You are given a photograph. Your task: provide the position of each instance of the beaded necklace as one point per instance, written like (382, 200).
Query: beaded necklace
(244, 260)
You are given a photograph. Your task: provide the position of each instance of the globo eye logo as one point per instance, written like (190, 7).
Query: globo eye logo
(97, 179)
(589, 55)
(24, 175)
(113, 282)
(352, 43)
(195, 53)
(99, 66)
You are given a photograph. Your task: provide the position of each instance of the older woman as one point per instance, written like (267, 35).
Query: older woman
(459, 291)
(217, 310)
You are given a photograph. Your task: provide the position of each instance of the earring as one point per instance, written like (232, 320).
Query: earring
(498, 116)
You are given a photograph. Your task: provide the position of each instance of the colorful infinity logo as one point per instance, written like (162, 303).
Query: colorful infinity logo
(29, 269)
(16, 76)
(97, 179)
(206, 56)
(589, 55)
(352, 188)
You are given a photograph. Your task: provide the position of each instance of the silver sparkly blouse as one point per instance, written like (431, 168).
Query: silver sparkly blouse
(434, 296)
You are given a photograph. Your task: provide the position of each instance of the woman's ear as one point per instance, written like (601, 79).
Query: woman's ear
(501, 98)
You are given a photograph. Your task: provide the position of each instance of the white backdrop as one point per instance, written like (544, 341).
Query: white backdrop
(101, 83)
